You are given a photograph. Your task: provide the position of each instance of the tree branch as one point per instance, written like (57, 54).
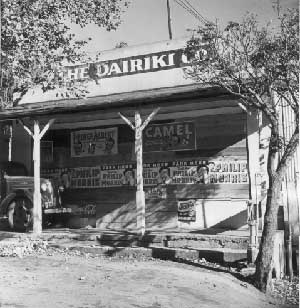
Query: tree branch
(288, 152)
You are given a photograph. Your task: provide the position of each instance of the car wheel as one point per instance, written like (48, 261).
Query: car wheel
(19, 215)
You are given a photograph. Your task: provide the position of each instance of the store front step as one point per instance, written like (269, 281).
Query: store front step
(187, 240)
(217, 255)
(220, 239)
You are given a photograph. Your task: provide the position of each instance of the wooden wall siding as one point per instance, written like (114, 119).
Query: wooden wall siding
(219, 135)
(121, 195)
(116, 208)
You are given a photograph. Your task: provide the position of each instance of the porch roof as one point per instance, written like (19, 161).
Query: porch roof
(110, 101)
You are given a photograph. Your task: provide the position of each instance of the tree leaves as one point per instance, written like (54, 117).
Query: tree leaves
(249, 60)
(261, 67)
(35, 39)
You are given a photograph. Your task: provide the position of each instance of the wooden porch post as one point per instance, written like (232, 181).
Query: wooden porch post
(10, 143)
(37, 201)
(140, 195)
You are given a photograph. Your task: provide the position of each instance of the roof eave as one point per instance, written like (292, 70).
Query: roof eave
(110, 101)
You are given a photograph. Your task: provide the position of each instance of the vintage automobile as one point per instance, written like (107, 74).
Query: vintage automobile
(16, 196)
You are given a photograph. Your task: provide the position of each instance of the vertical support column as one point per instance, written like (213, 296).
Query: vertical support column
(140, 195)
(37, 204)
(37, 135)
(252, 249)
(255, 188)
(253, 157)
(10, 141)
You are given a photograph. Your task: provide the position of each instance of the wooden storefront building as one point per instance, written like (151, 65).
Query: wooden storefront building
(202, 160)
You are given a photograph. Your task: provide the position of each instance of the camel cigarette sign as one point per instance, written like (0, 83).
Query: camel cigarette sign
(177, 136)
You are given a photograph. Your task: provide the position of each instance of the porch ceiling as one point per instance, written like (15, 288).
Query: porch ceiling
(110, 101)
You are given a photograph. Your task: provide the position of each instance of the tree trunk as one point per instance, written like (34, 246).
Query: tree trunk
(265, 256)
(263, 274)
(276, 172)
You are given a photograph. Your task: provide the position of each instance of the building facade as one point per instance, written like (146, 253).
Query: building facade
(201, 152)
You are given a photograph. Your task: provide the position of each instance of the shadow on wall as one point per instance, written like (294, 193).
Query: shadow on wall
(236, 221)
(158, 216)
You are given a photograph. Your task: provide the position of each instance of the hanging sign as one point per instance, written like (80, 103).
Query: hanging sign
(176, 136)
(94, 142)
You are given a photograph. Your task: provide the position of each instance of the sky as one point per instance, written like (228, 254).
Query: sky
(145, 21)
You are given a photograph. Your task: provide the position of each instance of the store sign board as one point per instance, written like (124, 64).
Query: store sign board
(177, 136)
(151, 62)
(94, 142)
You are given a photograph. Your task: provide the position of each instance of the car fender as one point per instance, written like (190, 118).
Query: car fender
(10, 197)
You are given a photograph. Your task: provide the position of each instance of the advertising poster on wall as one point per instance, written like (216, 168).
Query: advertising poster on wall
(177, 136)
(150, 174)
(117, 175)
(209, 172)
(186, 211)
(94, 142)
(85, 177)
(156, 175)
(184, 172)
(156, 192)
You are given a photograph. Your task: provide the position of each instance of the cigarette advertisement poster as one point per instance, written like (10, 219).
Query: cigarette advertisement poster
(177, 136)
(94, 142)
(158, 174)
(118, 175)
(186, 210)
(87, 177)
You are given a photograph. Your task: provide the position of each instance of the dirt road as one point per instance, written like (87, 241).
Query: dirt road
(61, 281)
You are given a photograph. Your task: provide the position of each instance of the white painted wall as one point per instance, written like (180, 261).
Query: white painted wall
(229, 214)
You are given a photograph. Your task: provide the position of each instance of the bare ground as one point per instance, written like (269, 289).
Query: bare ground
(54, 280)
